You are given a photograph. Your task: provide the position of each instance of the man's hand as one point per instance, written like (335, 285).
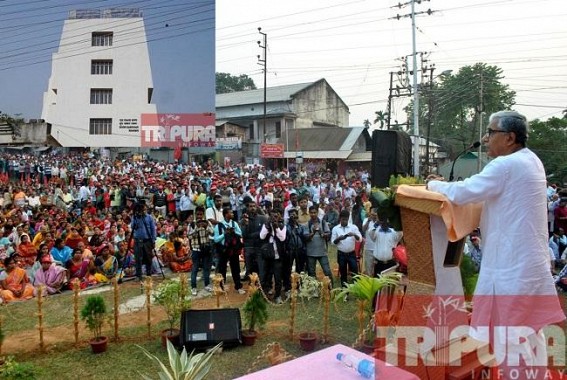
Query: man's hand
(433, 177)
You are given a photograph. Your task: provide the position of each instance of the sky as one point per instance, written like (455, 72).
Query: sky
(180, 35)
(355, 44)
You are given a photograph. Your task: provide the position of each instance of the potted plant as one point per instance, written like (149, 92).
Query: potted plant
(309, 287)
(174, 299)
(94, 315)
(364, 289)
(255, 315)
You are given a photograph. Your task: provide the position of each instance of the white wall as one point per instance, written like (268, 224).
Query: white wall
(69, 110)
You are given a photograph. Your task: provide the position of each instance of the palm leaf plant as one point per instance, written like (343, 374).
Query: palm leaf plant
(364, 289)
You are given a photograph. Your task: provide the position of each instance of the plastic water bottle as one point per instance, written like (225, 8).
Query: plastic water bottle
(364, 367)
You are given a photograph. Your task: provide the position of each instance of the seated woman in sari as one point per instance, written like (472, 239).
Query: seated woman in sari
(106, 264)
(126, 263)
(78, 268)
(73, 238)
(26, 250)
(167, 250)
(16, 284)
(181, 259)
(50, 276)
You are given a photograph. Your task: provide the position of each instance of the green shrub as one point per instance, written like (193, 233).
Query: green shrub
(12, 370)
(94, 314)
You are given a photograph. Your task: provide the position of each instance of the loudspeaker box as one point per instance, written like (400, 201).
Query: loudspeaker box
(201, 329)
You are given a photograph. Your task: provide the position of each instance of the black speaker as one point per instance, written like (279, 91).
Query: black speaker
(201, 329)
(391, 155)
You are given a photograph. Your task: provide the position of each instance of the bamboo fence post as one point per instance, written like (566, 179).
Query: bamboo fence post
(217, 287)
(40, 316)
(148, 287)
(253, 287)
(76, 290)
(116, 307)
(326, 307)
(294, 284)
(1, 327)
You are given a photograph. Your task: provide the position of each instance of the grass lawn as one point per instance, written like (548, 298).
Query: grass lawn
(63, 360)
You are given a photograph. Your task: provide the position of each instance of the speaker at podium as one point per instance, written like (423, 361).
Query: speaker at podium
(202, 329)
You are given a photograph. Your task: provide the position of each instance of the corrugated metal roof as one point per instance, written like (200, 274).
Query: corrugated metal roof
(273, 94)
(360, 157)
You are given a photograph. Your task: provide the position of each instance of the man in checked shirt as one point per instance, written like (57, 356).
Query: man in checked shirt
(200, 234)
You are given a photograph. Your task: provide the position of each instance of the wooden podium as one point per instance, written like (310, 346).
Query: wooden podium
(425, 340)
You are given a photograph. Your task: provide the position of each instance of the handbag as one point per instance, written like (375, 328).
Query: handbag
(267, 251)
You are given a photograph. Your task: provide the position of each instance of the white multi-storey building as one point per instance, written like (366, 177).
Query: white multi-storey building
(101, 80)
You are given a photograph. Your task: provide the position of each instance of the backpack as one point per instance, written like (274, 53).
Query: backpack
(232, 242)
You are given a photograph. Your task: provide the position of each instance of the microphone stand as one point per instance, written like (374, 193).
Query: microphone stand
(472, 146)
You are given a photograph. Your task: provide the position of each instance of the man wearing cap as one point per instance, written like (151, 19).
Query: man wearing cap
(160, 201)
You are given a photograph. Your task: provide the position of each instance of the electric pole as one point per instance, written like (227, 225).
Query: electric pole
(480, 111)
(415, 107)
(264, 62)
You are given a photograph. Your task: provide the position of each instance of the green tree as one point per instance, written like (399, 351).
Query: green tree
(381, 118)
(453, 103)
(366, 123)
(548, 139)
(226, 82)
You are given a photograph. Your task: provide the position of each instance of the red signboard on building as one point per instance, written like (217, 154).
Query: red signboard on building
(178, 130)
(272, 150)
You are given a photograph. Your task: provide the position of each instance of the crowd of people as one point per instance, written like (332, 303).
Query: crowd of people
(67, 217)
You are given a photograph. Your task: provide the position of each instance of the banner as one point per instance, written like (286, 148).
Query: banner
(272, 150)
(178, 130)
(229, 143)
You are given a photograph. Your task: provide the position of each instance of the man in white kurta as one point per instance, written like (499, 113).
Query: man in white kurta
(515, 288)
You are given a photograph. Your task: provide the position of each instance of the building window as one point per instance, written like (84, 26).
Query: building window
(101, 67)
(278, 129)
(101, 96)
(100, 127)
(251, 129)
(102, 38)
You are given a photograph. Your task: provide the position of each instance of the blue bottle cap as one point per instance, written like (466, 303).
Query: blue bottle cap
(366, 369)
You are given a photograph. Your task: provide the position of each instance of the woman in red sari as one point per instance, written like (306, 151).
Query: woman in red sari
(79, 268)
(27, 250)
(16, 285)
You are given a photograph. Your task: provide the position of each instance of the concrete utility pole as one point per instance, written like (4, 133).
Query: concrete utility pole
(264, 62)
(415, 96)
(415, 107)
(480, 111)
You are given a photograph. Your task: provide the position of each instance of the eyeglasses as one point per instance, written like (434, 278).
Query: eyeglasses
(490, 131)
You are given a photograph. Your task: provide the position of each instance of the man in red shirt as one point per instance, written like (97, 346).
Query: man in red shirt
(560, 214)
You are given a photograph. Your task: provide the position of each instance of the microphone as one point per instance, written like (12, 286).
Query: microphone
(474, 145)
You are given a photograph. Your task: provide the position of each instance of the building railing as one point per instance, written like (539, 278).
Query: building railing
(77, 14)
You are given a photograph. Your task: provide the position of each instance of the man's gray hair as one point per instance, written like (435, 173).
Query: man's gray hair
(512, 121)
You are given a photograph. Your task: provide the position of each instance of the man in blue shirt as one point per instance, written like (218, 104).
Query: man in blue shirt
(144, 234)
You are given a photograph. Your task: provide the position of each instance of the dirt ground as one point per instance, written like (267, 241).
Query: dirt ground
(27, 341)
